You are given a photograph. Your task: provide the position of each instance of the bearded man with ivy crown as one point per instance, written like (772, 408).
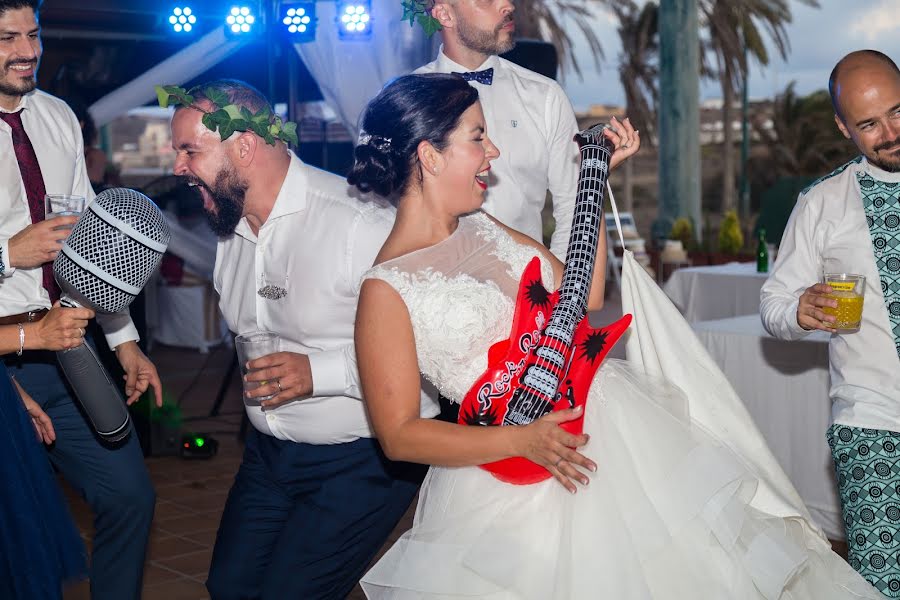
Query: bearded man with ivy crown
(314, 498)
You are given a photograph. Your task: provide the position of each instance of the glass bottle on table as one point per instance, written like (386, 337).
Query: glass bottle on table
(762, 253)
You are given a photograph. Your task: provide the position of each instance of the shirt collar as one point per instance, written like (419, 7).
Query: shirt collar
(291, 198)
(879, 174)
(23, 104)
(444, 63)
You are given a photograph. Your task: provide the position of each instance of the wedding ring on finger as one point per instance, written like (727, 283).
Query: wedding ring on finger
(278, 383)
(81, 331)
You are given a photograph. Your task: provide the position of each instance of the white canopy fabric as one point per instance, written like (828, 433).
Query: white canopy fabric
(175, 70)
(350, 73)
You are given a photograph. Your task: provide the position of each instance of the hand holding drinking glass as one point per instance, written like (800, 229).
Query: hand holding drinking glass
(834, 306)
(282, 377)
(848, 291)
(251, 346)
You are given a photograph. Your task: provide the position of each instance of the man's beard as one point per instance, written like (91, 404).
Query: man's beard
(227, 192)
(8, 88)
(485, 42)
(892, 164)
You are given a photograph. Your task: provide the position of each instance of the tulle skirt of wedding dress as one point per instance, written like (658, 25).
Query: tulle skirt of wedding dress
(666, 517)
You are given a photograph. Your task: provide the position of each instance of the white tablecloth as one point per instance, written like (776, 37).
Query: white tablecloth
(716, 292)
(785, 388)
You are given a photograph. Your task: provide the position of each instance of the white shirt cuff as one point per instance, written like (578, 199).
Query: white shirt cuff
(328, 373)
(8, 269)
(118, 328)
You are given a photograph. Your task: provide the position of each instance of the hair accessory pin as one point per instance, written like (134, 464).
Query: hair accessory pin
(376, 141)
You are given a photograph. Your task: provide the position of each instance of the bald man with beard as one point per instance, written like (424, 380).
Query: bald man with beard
(849, 222)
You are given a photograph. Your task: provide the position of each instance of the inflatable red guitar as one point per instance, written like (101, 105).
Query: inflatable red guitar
(552, 354)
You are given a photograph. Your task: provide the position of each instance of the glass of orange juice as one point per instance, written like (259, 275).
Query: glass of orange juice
(848, 290)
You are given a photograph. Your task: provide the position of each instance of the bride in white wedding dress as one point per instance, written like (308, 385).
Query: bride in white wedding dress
(651, 505)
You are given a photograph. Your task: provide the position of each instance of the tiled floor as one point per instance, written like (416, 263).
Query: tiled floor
(191, 493)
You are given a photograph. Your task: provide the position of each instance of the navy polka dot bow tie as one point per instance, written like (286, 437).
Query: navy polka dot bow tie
(485, 77)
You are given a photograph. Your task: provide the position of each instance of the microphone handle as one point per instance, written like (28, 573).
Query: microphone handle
(94, 389)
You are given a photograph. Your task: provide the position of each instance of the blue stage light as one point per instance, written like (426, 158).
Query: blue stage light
(182, 19)
(354, 20)
(240, 20)
(299, 21)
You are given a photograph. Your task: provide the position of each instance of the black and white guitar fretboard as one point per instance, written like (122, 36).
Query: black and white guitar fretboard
(541, 382)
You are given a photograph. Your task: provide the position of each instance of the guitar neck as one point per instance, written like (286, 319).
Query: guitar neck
(539, 385)
(584, 240)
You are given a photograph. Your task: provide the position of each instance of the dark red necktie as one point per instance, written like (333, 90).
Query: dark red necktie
(34, 187)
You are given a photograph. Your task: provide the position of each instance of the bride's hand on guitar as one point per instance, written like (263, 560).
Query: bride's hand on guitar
(626, 141)
(550, 446)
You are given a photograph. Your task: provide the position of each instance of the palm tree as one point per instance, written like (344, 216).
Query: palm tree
(801, 139)
(638, 68)
(639, 73)
(735, 29)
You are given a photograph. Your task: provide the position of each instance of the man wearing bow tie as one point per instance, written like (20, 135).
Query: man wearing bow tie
(528, 116)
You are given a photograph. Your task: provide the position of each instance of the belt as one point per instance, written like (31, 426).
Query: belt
(31, 316)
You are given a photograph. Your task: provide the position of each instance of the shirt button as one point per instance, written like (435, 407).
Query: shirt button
(270, 417)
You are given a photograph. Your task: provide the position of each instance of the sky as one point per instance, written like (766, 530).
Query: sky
(818, 39)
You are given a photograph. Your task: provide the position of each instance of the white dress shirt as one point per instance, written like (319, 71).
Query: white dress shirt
(828, 233)
(530, 119)
(56, 137)
(316, 244)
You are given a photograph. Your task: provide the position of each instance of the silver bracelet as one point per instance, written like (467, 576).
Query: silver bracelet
(21, 339)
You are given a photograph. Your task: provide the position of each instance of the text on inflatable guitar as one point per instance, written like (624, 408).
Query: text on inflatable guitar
(550, 358)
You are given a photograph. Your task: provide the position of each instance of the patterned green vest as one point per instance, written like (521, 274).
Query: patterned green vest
(881, 202)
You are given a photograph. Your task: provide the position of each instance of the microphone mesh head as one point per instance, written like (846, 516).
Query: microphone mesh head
(113, 249)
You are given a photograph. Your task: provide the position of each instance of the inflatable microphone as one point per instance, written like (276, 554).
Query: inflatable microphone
(105, 262)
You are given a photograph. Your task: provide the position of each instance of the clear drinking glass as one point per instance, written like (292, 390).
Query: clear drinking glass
(255, 345)
(63, 205)
(849, 290)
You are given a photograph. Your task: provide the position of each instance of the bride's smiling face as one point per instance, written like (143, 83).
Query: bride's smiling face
(467, 160)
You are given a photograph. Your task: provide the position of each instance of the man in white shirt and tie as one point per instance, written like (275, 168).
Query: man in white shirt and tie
(528, 117)
(314, 498)
(849, 222)
(42, 152)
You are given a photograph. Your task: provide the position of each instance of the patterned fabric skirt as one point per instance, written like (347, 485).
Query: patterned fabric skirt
(867, 462)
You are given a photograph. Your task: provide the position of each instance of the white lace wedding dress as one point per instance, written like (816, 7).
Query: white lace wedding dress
(666, 516)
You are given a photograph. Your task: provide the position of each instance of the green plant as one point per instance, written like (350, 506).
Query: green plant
(229, 118)
(419, 11)
(731, 239)
(683, 230)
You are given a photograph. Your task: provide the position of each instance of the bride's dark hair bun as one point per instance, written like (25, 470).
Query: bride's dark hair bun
(409, 110)
(375, 167)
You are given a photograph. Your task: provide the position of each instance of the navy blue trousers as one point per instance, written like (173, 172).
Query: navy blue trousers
(303, 521)
(112, 479)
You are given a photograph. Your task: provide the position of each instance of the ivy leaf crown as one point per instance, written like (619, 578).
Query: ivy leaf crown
(419, 11)
(229, 117)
